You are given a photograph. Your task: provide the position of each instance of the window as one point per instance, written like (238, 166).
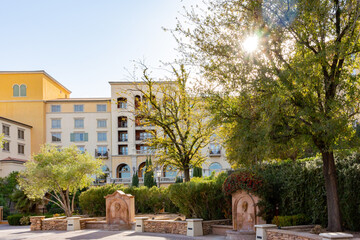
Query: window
(143, 149)
(21, 149)
(170, 171)
(6, 130)
(16, 90)
(22, 90)
(215, 149)
(78, 123)
(101, 136)
(123, 150)
(122, 136)
(78, 108)
(123, 171)
(139, 121)
(81, 148)
(6, 146)
(21, 134)
(122, 122)
(121, 103)
(101, 107)
(56, 137)
(101, 123)
(78, 137)
(101, 151)
(141, 169)
(143, 135)
(215, 167)
(55, 108)
(137, 101)
(55, 123)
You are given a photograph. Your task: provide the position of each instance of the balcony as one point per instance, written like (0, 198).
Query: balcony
(120, 180)
(215, 152)
(145, 152)
(101, 154)
(167, 179)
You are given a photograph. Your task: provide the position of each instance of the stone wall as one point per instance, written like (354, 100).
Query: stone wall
(59, 224)
(207, 225)
(278, 234)
(39, 223)
(165, 226)
(36, 223)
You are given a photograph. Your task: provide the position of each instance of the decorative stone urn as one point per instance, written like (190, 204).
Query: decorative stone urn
(120, 209)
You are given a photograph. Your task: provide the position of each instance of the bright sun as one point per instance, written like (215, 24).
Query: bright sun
(250, 44)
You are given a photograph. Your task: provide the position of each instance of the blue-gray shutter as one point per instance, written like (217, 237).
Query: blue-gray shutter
(72, 137)
(86, 137)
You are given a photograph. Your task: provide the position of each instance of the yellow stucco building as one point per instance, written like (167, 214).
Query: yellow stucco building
(23, 96)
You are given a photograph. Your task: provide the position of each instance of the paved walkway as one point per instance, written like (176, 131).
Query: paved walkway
(23, 232)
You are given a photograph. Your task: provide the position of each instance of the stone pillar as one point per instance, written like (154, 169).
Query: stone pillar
(194, 227)
(336, 235)
(139, 225)
(1, 213)
(73, 223)
(261, 230)
(36, 223)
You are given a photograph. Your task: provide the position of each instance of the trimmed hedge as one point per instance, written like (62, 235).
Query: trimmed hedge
(201, 198)
(282, 221)
(147, 200)
(14, 219)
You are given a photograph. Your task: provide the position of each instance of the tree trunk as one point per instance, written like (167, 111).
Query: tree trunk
(332, 198)
(187, 174)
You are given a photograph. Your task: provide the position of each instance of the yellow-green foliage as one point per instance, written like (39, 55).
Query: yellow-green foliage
(60, 172)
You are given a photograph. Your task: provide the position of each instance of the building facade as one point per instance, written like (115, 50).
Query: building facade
(107, 128)
(16, 146)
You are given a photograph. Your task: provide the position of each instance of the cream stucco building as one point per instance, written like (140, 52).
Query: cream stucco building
(107, 128)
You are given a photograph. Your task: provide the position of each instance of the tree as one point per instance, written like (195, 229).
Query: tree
(295, 88)
(60, 173)
(22, 203)
(135, 180)
(149, 180)
(197, 172)
(183, 125)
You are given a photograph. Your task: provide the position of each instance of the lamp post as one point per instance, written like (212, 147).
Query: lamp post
(158, 175)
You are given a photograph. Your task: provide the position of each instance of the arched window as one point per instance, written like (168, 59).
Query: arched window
(215, 167)
(122, 122)
(16, 90)
(123, 171)
(169, 171)
(23, 90)
(105, 174)
(122, 102)
(137, 101)
(141, 169)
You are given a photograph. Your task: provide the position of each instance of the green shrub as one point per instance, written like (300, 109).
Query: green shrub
(92, 201)
(282, 221)
(200, 198)
(147, 200)
(25, 220)
(14, 219)
(135, 180)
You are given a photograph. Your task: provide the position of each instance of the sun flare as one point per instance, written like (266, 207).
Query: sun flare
(250, 44)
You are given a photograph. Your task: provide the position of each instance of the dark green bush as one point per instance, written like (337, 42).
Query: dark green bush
(147, 200)
(92, 201)
(282, 221)
(200, 198)
(14, 219)
(293, 188)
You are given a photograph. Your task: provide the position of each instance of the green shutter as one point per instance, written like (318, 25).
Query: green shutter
(16, 90)
(85, 137)
(23, 90)
(72, 137)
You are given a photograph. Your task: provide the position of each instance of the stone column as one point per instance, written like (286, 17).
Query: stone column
(194, 227)
(1, 213)
(73, 223)
(336, 235)
(36, 223)
(261, 230)
(139, 224)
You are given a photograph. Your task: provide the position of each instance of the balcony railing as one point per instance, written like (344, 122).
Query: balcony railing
(123, 139)
(144, 152)
(141, 138)
(101, 154)
(120, 180)
(167, 179)
(215, 152)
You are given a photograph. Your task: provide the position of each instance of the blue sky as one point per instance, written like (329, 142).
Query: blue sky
(86, 43)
